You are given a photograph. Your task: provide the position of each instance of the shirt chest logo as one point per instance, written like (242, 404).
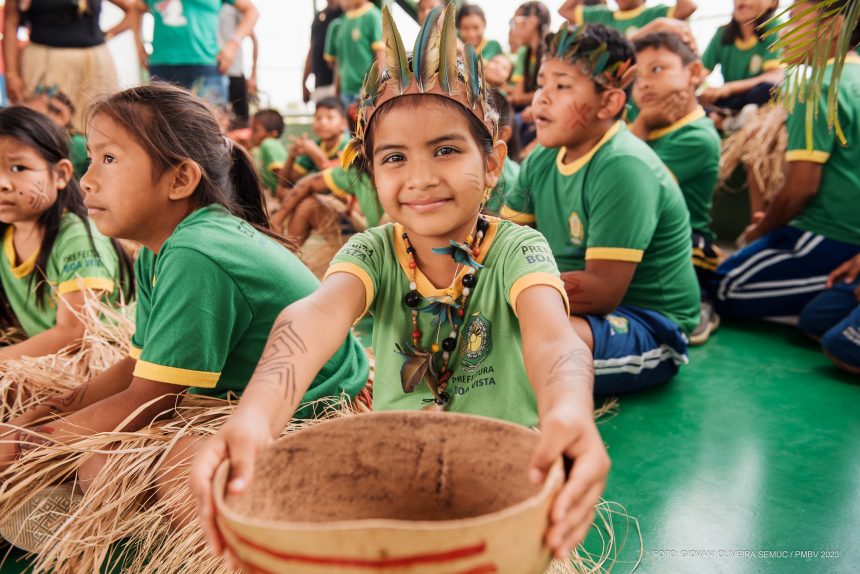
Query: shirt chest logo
(577, 230)
(356, 34)
(756, 63)
(477, 342)
(171, 12)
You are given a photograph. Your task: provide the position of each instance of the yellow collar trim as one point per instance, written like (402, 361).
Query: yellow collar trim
(481, 46)
(747, 44)
(26, 267)
(425, 287)
(577, 164)
(332, 152)
(696, 114)
(353, 14)
(628, 14)
(850, 58)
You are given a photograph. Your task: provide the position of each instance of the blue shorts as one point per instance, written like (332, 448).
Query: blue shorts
(204, 81)
(834, 317)
(635, 349)
(777, 275)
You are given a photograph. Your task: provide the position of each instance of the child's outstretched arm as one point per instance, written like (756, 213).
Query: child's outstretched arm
(304, 336)
(684, 9)
(68, 329)
(560, 368)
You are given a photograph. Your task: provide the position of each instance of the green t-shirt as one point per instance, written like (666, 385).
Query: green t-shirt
(270, 157)
(488, 377)
(331, 40)
(741, 59)
(524, 66)
(207, 301)
(352, 185)
(489, 49)
(353, 44)
(690, 148)
(305, 165)
(78, 154)
(185, 32)
(510, 173)
(628, 22)
(834, 211)
(72, 266)
(618, 202)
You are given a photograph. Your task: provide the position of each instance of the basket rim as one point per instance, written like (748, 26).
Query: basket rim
(552, 482)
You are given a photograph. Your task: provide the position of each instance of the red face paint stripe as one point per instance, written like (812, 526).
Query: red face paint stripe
(399, 562)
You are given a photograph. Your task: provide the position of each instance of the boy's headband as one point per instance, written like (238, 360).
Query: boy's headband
(566, 45)
(435, 69)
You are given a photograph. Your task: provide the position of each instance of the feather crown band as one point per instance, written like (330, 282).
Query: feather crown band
(567, 45)
(435, 67)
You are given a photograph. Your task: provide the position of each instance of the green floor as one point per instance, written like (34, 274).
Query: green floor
(751, 450)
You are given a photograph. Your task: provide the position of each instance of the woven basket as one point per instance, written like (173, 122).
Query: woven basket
(395, 492)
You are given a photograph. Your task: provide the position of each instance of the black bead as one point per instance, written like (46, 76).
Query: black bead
(469, 280)
(449, 344)
(410, 250)
(442, 399)
(412, 299)
(483, 224)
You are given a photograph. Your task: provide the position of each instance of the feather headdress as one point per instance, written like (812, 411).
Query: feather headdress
(567, 45)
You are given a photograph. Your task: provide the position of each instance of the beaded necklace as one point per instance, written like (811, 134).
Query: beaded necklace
(421, 364)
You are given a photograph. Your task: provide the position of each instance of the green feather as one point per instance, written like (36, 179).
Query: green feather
(396, 62)
(448, 51)
(474, 77)
(426, 51)
(563, 40)
(370, 88)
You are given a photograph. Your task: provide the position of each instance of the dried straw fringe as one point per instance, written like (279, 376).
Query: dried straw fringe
(760, 147)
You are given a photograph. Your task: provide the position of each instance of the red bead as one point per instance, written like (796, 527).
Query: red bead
(416, 334)
(476, 252)
(412, 265)
(445, 377)
(460, 312)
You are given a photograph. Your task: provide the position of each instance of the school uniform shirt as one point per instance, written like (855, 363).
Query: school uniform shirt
(185, 32)
(628, 22)
(305, 165)
(207, 302)
(269, 157)
(834, 211)
(76, 263)
(618, 202)
(489, 49)
(507, 181)
(690, 148)
(524, 65)
(741, 59)
(489, 376)
(353, 45)
(353, 185)
(78, 154)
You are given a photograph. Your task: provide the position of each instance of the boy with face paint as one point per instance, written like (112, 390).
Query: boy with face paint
(615, 220)
(673, 123)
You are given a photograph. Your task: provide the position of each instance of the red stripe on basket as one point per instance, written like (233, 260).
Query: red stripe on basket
(399, 562)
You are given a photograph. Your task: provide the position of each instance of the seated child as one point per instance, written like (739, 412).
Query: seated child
(270, 155)
(833, 317)
(812, 224)
(163, 175)
(59, 107)
(530, 25)
(511, 169)
(748, 62)
(312, 155)
(470, 304)
(630, 16)
(673, 123)
(614, 218)
(51, 251)
(471, 23)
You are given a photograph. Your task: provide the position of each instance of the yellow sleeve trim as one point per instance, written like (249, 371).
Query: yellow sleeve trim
(516, 216)
(614, 254)
(275, 166)
(770, 65)
(517, 78)
(81, 283)
(814, 156)
(328, 58)
(134, 352)
(355, 270)
(671, 12)
(376, 46)
(332, 185)
(300, 169)
(538, 278)
(175, 375)
(578, 15)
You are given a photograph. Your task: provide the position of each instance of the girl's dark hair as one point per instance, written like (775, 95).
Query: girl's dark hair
(539, 10)
(855, 34)
(732, 30)
(470, 10)
(506, 118)
(172, 125)
(478, 130)
(42, 135)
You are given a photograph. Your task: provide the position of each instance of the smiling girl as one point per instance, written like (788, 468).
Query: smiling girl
(51, 252)
(466, 307)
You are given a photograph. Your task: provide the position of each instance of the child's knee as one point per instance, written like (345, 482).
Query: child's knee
(89, 470)
(841, 344)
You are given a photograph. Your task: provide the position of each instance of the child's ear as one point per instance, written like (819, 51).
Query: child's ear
(65, 171)
(697, 73)
(495, 162)
(612, 102)
(184, 180)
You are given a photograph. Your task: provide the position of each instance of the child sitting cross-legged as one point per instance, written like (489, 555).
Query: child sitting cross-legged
(614, 217)
(269, 153)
